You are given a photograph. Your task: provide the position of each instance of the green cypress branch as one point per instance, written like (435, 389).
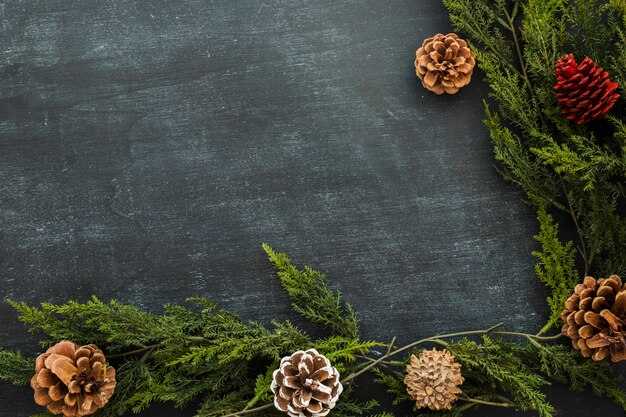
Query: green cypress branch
(312, 298)
(16, 368)
(556, 268)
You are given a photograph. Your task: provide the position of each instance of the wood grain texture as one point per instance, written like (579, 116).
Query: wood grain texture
(148, 148)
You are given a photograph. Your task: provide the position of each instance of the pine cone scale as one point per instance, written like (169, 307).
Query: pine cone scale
(46, 378)
(599, 304)
(57, 392)
(64, 348)
(598, 341)
(614, 322)
(322, 374)
(594, 319)
(619, 306)
(42, 398)
(62, 367)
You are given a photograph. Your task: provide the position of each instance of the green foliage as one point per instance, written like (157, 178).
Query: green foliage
(393, 383)
(569, 172)
(563, 168)
(262, 387)
(197, 351)
(570, 367)
(354, 408)
(501, 366)
(339, 349)
(481, 21)
(589, 33)
(312, 298)
(117, 325)
(16, 368)
(518, 166)
(582, 161)
(556, 267)
(175, 357)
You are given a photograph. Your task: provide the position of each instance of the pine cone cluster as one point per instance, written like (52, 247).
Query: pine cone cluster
(72, 380)
(433, 379)
(306, 385)
(583, 90)
(444, 63)
(594, 318)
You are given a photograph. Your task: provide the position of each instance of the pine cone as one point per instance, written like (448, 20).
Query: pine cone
(306, 385)
(433, 379)
(594, 318)
(583, 90)
(72, 380)
(444, 63)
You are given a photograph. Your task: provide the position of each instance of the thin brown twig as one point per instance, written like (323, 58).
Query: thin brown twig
(134, 352)
(520, 56)
(250, 410)
(483, 402)
(572, 212)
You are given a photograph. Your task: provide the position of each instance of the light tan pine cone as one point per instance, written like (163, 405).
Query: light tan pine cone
(433, 379)
(444, 63)
(306, 385)
(72, 380)
(594, 318)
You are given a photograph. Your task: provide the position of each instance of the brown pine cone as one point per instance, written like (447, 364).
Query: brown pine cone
(594, 318)
(306, 385)
(72, 380)
(433, 379)
(444, 63)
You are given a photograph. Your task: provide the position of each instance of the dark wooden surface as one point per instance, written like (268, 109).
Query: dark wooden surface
(148, 148)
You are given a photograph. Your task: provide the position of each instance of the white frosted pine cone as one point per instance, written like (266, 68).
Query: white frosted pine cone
(306, 385)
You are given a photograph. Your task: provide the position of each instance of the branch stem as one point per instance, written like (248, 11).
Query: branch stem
(510, 17)
(532, 336)
(435, 338)
(134, 352)
(483, 402)
(572, 212)
(250, 410)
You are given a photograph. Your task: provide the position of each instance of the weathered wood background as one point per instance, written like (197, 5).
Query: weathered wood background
(148, 148)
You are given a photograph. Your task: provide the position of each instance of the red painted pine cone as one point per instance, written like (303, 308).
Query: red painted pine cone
(72, 380)
(583, 90)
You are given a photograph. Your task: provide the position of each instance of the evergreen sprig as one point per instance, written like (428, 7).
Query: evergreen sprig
(175, 357)
(15, 368)
(312, 298)
(197, 350)
(556, 267)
